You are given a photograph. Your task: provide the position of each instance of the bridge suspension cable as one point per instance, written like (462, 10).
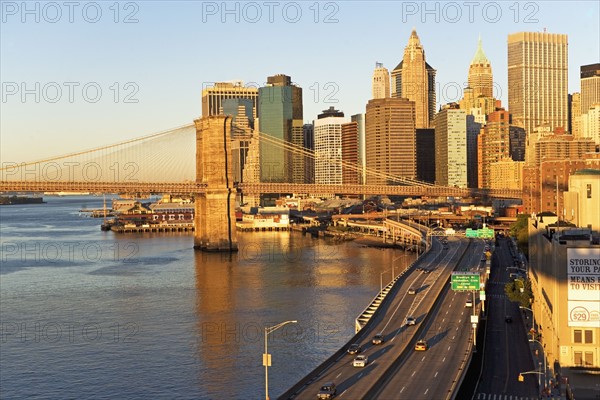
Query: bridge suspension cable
(300, 150)
(158, 157)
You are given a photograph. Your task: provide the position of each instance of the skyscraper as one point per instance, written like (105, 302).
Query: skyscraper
(590, 86)
(451, 146)
(350, 166)
(360, 125)
(390, 139)
(280, 116)
(473, 129)
(212, 97)
(425, 157)
(480, 77)
(414, 79)
(537, 79)
(495, 142)
(478, 97)
(328, 147)
(381, 82)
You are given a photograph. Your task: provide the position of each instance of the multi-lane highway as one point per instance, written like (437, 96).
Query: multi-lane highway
(435, 373)
(506, 351)
(428, 279)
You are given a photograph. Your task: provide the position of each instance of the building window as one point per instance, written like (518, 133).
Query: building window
(589, 359)
(578, 358)
(577, 336)
(589, 190)
(589, 336)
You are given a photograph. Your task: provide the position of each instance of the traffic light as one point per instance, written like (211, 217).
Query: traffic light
(521, 378)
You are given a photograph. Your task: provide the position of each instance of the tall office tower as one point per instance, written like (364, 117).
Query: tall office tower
(328, 147)
(478, 97)
(381, 82)
(390, 140)
(212, 97)
(242, 124)
(350, 166)
(517, 143)
(451, 146)
(425, 157)
(590, 124)
(414, 79)
(590, 86)
(280, 117)
(362, 159)
(575, 114)
(473, 129)
(308, 140)
(495, 143)
(480, 77)
(537, 79)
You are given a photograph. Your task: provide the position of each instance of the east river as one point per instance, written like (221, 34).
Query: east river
(92, 314)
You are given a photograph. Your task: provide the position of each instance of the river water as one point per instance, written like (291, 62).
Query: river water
(92, 314)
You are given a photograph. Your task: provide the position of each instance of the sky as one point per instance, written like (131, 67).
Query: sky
(78, 75)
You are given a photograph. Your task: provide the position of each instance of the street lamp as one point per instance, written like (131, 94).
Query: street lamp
(267, 356)
(381, 280)
(539, 363)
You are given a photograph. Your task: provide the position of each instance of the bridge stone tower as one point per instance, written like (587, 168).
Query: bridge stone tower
(214, 219)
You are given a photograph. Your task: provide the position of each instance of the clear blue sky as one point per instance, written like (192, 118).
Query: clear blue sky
(170, 50)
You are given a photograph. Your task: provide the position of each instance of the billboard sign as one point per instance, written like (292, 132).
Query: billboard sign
(583, 275)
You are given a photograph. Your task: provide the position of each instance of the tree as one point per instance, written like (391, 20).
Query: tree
(519, 291)
(519, 230)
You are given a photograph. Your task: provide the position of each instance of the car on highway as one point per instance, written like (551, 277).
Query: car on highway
(425, 271)
(360, 361)
(327, 391)
(469, 303)
(412, 291)
(354, 348)
(421, 345)
(411, 320)
(378, 339)
(508, 319)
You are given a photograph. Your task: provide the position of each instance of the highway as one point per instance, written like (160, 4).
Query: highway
(435, 373)
(506, 351)
(355, 382)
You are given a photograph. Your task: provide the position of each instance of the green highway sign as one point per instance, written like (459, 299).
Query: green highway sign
(484, 233)
(464, 280)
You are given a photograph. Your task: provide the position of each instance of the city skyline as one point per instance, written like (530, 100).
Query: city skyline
(166, 75)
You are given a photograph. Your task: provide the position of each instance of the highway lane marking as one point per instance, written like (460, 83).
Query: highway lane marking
(384, 350)
(361, 374)
(443, 319)
(457, 326)
(446, 312)
(338, 375)
(414, 372)
(423, 359)
(449, 348)
(435, 376)
(453, 337)
(343, 393)
(444, 359)
(401, 390)
(462, 313)
(426, 391)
